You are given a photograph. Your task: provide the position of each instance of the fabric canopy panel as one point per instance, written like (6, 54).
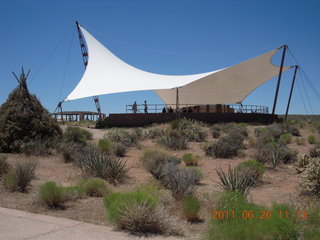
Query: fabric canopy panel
(228, 86)
(106, 74)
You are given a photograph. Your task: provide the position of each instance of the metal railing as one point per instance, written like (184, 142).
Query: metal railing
(194, 108)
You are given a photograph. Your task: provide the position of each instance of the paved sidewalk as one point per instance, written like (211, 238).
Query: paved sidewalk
(18, 225)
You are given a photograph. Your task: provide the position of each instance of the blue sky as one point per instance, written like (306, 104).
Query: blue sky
(161, 36)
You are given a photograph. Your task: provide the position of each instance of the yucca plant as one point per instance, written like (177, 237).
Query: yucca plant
(234, 180)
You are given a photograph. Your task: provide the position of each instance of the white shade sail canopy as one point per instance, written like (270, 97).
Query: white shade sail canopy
(106, 74)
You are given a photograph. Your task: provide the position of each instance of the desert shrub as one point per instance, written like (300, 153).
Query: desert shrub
(311, 139)
(196, 172)
(236, 129)
(309, 168)
(300, 141)
(174, 140)
(285, 138)
(120, 135)
(20, 176)
(235, 180)
(215, 131)
(71, 152)
(153, 161)
(191, 159)
(76, 135)
(249, 226)
(275, 130)
(95, 187)
(105, 145)
(102, 165)
(191, 208)
(36, 147)
(191, 129)
(315, 151)
(263, 135)
(181, 182)
(51, 194)
(119, 150)
(153, 132)
(311, 230)
(4, 165)
(275, 153)
(226, 147)
(134, 212)
(74, 192)
(289, 127)
(257, 169)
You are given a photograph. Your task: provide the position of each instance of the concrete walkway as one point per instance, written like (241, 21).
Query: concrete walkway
(18, 225)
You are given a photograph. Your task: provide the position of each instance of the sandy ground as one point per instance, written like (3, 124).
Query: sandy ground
(280, 185)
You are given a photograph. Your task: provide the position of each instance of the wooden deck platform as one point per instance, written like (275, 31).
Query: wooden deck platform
(143, 119)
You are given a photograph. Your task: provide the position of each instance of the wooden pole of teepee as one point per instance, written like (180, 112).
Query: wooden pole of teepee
(291, 90)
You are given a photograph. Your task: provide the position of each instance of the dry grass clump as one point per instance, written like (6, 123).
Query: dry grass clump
(20, 176)
(139, 213)
(95, 187)
(36, 147)
(194, 130)
(311, 139)
(215, 130)
(300, 141)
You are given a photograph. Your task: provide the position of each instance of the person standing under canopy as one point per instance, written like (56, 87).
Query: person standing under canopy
(145, 107)
(134, 107)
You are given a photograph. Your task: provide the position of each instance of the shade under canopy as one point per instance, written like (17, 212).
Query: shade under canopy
(106, 74)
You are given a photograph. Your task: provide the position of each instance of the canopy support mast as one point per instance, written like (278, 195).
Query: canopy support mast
(291, 90)
(85, 57)
(279, 79)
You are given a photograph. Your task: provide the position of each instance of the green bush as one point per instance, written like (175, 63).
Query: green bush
(300, 141)
(315, 151)
(120, 135)
(153, 132)
(4, 165)
(191, 129)
(19, 178)
(119, 150)
(95, 187)
(257, 169)
(285, 138)
(311, 139)
(174, 140)
(76, 135)
(240, 225)
(154, 160)
(190, 159)
(191, 208)
(290, 128)
(264, 136)
(134, 212)
(105, 145)
(226, 147)
(102, 165)
(51, 194)
(215, 131)
(236, 180)
(236, 129)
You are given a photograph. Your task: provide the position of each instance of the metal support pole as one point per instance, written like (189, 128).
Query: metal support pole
(85, 57)
(291, 90)
(279, 79)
